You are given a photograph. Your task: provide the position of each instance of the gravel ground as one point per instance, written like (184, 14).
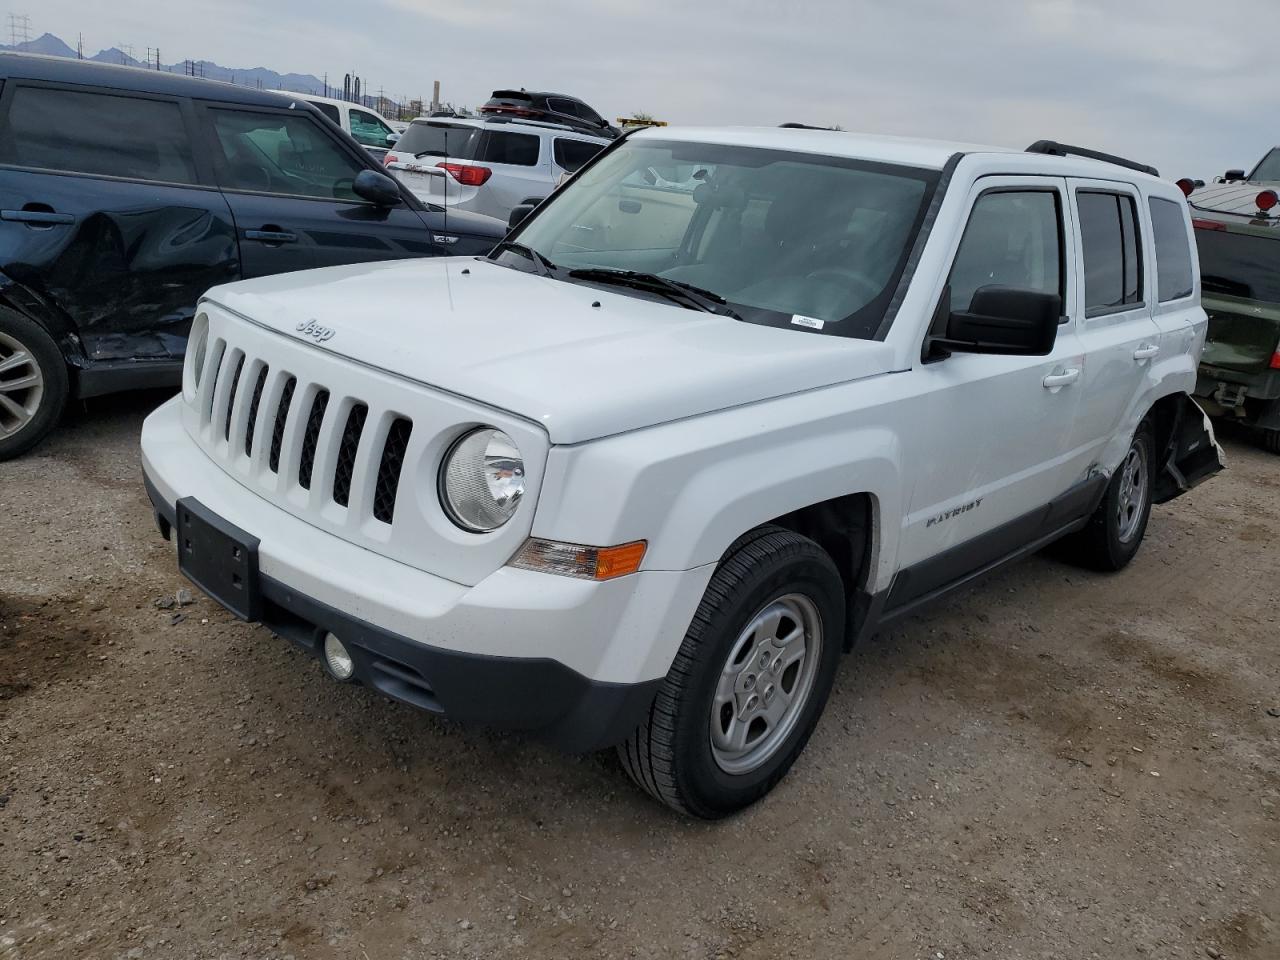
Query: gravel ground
(1053, 764)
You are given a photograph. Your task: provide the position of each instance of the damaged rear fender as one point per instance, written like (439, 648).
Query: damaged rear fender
(1191, 455)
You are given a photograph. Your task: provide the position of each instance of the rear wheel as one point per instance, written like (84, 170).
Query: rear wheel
(33, 384)
(750, 679)
(1271, 441)
(1117, 527)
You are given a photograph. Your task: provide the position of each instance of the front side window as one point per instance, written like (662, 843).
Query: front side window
(368, 130)
(97, 134)
(1013, 239)
(572, 155)
(1112, 264)
(284, 154)
(798, 241)
(1173, 250)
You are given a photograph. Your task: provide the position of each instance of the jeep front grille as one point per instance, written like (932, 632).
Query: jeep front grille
(324, 441)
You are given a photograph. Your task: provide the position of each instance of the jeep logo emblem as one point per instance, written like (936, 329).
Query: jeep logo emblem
(316, 332)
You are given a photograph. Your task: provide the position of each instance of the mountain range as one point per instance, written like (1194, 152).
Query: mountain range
(52, 46)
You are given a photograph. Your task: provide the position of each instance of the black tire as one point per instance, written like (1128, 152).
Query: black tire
(1271, 441)
(1100, 545)
(670, 755)
(49, 399)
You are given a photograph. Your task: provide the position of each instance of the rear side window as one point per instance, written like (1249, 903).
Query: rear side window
(1173, 250)
(517, 149)
(329, 110)
(1013, 239)
(573, 154)
(368, 130)
(97, 134)
(1112, 262)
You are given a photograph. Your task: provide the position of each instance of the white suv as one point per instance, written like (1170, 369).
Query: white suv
(488, 166)
(644, 474)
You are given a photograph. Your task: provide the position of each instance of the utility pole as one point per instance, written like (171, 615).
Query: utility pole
(80, 46)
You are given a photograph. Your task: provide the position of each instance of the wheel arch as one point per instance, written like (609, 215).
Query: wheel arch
(22, 300)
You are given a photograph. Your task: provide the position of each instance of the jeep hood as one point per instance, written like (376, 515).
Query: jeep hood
(584, 361)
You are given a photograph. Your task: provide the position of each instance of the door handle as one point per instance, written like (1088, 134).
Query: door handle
(1146, 351)
(1055, 380)
(271, 236)
(41, 217)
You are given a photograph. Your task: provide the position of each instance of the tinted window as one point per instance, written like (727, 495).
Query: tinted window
(439, 140)
(1269, 168)
(274, 153)
(1173, 250)
(1239, 264)
(1112, 265)
(563, 106)
(368, 130)
(572, 154)
(519, 149)
(329, 110)
(97, 133)
(1014, 239)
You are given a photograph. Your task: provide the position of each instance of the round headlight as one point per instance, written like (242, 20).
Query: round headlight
(482, 480)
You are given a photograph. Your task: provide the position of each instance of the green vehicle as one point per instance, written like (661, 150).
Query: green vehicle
(1238, 233)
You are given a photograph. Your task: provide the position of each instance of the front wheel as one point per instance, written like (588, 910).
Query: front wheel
(1271, 441)
(33, 384)
(1116, 529)
(750, 679)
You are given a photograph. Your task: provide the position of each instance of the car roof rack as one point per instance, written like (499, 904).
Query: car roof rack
(804, 126)
(1055, 149)
(524, 121)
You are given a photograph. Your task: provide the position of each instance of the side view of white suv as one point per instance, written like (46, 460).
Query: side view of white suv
(488, 165)
(728, 402)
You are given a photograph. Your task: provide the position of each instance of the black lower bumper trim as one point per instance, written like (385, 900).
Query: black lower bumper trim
(531, 694)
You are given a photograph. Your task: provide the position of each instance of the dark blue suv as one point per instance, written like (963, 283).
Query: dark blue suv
(126, 193)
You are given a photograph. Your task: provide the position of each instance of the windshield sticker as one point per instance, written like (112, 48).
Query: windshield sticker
(813, 323)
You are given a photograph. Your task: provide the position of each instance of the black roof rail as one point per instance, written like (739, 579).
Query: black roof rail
(803, 126)
(1055, 149)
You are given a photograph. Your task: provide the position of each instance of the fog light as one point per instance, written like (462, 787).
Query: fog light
(337, 659)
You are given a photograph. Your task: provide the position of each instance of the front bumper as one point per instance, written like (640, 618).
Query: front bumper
(577, 663)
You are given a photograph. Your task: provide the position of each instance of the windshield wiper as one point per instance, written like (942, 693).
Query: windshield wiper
(545, 267)
(428, 153)
(708, 301)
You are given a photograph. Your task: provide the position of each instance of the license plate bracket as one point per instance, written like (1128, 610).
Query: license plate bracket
(219, 558)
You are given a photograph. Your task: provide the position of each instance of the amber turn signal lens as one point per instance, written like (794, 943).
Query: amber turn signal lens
(582, 562)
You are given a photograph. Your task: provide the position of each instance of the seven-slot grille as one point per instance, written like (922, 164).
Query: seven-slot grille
(293, 421)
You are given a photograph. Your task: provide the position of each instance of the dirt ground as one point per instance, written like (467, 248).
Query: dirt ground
(1053, 764)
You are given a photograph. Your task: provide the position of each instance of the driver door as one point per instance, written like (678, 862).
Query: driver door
(287, 179)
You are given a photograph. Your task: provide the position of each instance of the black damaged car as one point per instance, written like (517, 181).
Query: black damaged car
(126, 193)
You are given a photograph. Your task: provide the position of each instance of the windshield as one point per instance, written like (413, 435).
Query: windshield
(438, 140)
(792, 240)
(1269, 168)
(1239, 264)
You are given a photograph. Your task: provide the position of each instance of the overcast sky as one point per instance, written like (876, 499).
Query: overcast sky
(1186, 85)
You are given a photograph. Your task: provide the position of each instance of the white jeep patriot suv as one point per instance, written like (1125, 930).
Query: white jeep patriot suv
(728, 401)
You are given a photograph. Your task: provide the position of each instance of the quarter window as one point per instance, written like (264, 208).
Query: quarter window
(97, 134)
(1112, 262)
(274, 153)
(573, 154)
(1013, 239)
(330, 111)
(1173, 250)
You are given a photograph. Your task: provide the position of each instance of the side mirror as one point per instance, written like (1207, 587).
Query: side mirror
(377, 188)
(393, 139)
(1234, 175)
(1003, 320)
(518, 214)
